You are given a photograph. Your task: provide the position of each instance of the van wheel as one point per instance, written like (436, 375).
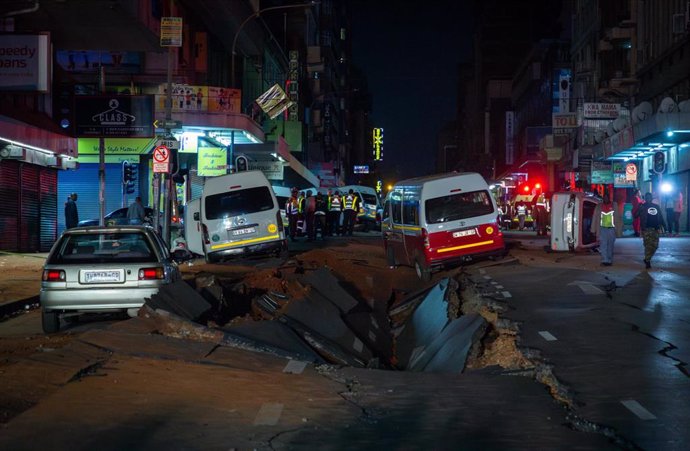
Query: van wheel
(422, 271)
(50, 322)
(390, 257)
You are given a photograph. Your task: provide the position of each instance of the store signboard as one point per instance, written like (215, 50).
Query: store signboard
(602, 173)
(25, 62)
(114, 116)
(620, 175)
(212, 161)
(601, 110)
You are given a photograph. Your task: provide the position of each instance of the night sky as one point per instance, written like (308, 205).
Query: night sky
(409, 53)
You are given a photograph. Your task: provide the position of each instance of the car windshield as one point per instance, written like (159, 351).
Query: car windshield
(241, 202)
(107, 247)
(369, 199)
(458, 206)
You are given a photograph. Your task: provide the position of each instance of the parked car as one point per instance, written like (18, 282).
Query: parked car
(119, 217)
(103, 269)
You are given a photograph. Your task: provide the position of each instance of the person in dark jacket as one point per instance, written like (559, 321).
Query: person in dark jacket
(71, 213)
(320, 215)
(651, 222)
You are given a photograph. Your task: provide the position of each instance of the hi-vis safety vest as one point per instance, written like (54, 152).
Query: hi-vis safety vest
(521, 209)
(607, 217)
(334, 204)
(291, 206)
(350, 202)
(300, 204)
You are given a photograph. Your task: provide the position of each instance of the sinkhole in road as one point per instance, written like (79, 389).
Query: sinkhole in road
(448, 326)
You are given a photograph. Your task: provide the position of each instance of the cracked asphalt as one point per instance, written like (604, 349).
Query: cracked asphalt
(604, 366)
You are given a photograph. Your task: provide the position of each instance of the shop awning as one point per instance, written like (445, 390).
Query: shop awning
(660, 131)
(25, 135)
(220, 125)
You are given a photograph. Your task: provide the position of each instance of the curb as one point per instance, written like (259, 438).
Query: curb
(10, 309)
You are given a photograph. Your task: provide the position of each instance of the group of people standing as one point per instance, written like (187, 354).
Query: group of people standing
(648, 222)
(321, 213)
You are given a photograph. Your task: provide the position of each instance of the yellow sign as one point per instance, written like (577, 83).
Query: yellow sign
(212, 161)
(171, 31)
(115, 146)
(377, 141)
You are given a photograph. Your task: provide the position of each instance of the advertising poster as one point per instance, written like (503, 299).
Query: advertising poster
(274, 101)
(25, 62)
(224, 100)
(212, 161)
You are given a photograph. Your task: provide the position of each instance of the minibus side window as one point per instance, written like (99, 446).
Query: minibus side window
(411, 212)
(396, 208)
(386, 213)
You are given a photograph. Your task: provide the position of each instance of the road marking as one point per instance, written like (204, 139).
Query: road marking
(587, 287)
(372, 336)
(358, 345)
(269, 414)
(636, 408)
(482, 271)
(295, 367)
(506, 294)
(487, 277)
(500, 287)
(493, 282)
(547, 336)
(374, 323)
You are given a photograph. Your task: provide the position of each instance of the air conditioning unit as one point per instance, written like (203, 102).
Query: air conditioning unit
(12, 151)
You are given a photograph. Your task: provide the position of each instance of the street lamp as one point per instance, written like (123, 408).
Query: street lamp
(254, 15)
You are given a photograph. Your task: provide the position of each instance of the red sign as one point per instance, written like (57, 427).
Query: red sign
(161, 159)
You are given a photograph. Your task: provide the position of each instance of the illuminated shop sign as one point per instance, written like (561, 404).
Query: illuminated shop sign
(362, 169)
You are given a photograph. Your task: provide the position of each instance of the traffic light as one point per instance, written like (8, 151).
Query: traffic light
(659, 162)
(241, 164)
(126, 172)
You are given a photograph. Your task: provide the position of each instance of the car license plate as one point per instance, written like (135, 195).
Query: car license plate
(246, 231)
(463, 233)
(103, 276)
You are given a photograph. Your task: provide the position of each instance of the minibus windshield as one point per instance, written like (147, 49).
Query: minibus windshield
(458, 206)
(241, 202)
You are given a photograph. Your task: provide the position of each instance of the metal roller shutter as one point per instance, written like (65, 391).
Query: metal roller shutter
(48, 212)
(29, 226)
(84, 182)
(9, 205)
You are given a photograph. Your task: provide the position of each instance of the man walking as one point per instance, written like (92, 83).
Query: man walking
(651, 220)
(71, 213)
(136, 213)
(604, 226)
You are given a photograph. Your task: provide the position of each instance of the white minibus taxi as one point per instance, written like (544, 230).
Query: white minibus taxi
(237, 215)
(430, 222)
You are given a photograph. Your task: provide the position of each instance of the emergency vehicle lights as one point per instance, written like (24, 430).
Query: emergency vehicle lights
(538, 186)
(526, 189)
(666, 187)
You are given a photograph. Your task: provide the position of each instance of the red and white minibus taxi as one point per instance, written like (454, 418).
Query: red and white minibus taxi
(430, 222)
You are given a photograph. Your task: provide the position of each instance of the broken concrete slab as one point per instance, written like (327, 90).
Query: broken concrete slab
(324, 281)
(454, 344)
(273, 337)
(427, 321)
(375, 331)
(175, 326)
(181, 299)
(317, 314)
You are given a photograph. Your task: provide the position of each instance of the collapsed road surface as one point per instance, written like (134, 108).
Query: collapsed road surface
(333, 350)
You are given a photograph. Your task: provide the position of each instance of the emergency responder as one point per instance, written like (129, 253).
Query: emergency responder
(350, 207)
(651, 221)
(335, 208)
(521, 214)
(320, 216)
(604, 227)
(301, 222)
(292, 212)
(541, 215)
(309, 209)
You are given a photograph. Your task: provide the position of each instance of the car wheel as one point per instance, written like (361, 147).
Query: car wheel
(50, 322)
(390, 257)
(422, 271)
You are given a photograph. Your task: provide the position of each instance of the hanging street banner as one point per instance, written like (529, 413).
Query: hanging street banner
(377, 143)
(274, 101)
(114, 116)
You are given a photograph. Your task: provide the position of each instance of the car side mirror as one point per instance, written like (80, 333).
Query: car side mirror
(196, 216)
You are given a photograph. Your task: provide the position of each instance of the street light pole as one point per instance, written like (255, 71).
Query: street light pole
(247, 20)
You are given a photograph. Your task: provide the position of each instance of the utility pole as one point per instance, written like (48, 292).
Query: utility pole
(101, 160)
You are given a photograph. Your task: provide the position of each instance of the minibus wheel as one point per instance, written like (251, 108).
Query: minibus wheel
(422, 271)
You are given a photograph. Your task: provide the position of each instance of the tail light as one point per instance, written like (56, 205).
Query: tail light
(151, 273)
(53, 275)
(425, 237)
(174, 219)
(204, 231)
(279, 221)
